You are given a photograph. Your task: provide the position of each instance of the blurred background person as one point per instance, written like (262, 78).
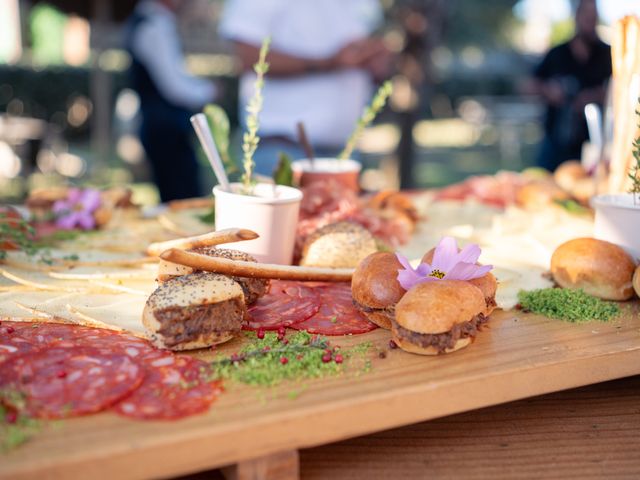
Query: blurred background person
(168, 97)
(569, 77)
(323, 63)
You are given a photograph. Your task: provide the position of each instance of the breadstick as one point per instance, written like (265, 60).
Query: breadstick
(188, 203)
(240, 268)
(229, 235)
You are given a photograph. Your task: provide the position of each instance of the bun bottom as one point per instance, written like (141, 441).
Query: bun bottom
(380, 318)
(203, 341)
(413, 348)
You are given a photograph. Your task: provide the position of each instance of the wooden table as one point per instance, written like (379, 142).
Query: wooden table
(519, 356)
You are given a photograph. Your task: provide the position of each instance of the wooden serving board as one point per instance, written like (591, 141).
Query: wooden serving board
(519, 355)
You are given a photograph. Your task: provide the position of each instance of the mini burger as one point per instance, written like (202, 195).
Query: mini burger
(194, 311)
(375, 289)
(338, 245)
(253, 288)
(439, 316)
(487, 284)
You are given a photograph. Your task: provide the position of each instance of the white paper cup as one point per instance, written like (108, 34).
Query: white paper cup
(618, 221)
(271, 212)
(345, 171)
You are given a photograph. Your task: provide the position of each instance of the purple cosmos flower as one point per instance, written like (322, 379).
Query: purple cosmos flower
(448, 264)
(77, 209)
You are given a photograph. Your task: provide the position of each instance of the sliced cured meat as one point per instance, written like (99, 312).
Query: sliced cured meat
(59, 382)
(175, 386)
(286, 304)
(337, 315)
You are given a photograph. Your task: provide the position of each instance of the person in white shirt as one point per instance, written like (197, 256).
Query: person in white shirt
(323, 62)
(168, 96)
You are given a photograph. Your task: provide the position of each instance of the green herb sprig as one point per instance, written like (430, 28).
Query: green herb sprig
(16, 427)
(250, 138)
(634, 173)
(369, 114)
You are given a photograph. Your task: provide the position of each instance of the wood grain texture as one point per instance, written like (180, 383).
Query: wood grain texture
(589, 432)
(277, 466)
(519, 356)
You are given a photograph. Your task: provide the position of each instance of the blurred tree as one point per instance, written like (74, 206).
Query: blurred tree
(47, 34)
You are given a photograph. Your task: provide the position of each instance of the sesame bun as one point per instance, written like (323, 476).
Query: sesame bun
(568, 173)
(636, 281)
(600, 268)
(338, 245)
(375, 289)
(435, 307)
(253, 288)
(194, 311)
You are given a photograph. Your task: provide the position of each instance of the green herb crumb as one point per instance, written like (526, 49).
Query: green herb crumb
(569, 305)
(270, 361)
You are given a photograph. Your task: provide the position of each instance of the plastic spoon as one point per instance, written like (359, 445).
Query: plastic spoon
(593, 115)
(201, 126)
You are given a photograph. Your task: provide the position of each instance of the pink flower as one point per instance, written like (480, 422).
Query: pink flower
(77, 209)
(448, 264)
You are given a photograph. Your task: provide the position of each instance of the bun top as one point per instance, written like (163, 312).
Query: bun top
(195, 289)
(601, 268)
(568, 173)
(374, 282)
(224, 253)
(338, 245)
(436, 306)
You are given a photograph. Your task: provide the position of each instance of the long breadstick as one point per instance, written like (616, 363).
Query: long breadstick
(229, 235)
(240, 268)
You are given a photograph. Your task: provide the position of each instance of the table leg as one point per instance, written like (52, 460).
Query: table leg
(278, 466)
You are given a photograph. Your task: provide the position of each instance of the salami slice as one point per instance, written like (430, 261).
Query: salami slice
(337, 315)
(59, 382)
(286, 304)
(175, 386)
(12, 343)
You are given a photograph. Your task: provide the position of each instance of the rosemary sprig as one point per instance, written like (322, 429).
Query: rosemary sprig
(369, 114)
(634, 173)
(250, 138)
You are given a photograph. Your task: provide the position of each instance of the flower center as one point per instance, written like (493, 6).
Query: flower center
(437, 274)
(78, 207)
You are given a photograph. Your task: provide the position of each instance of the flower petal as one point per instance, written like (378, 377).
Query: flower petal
(467, 271)
(67, 222)
(60, 206)
(469, 254)
(444, 256)
(424, 269)
(404, 261)
(74, 195)
(409, 278)
(86, 220)
(90, 199)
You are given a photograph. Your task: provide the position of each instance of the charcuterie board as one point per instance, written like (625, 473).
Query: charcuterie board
(520, 355)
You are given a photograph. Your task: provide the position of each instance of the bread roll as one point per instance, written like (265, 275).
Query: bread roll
(600, 268)
(636, 281)
(338, 245)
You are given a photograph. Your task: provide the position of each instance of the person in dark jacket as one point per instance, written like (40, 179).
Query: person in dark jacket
(569, 77)
(168, 97)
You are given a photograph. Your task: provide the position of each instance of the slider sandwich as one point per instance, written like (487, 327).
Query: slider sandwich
(375, 288)
(438, 317)
(194, 311)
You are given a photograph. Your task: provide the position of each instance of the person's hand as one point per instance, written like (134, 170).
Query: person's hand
(553, 93)
(352, 55)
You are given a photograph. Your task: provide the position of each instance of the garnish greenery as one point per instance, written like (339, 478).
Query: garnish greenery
(283, 174)
(369, 114)
(15, 427)
(250, 138)
(18, 234)
(275, 359)
(570, 305)
(634, 173)
(220, 127)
